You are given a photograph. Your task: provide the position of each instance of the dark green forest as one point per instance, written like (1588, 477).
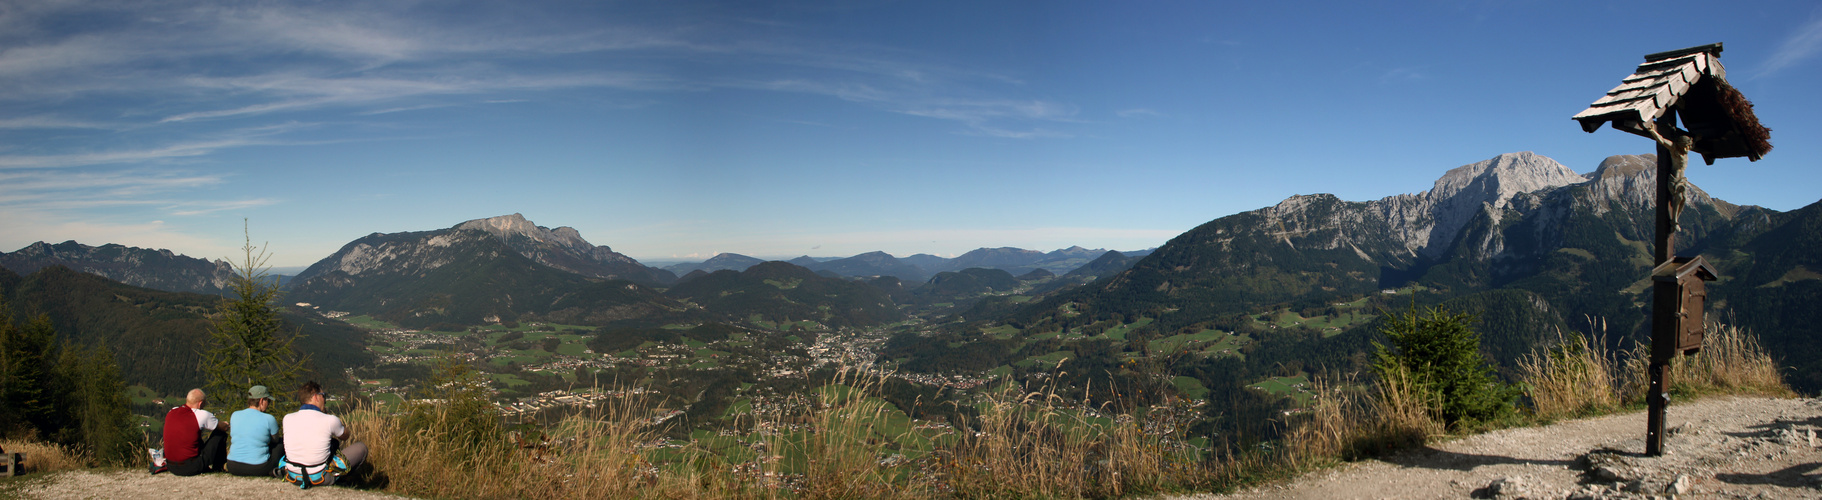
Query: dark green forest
(157, 337)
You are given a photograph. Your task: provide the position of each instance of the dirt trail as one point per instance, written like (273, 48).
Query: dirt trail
(1724, 447)
(139, 485)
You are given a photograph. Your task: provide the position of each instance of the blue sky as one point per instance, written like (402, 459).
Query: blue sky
(675, 129)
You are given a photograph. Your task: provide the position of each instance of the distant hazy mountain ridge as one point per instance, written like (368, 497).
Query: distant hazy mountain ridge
(143, 267)
(561, 248)
(720, 262)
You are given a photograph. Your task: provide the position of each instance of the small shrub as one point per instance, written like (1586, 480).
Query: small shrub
(1441, 353)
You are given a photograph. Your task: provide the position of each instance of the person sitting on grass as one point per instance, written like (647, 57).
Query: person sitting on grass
(187, 451)
(255, 447)
(312, 439)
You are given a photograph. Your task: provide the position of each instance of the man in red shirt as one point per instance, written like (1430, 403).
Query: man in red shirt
(193, 438)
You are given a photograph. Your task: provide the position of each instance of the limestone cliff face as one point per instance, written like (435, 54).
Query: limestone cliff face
(485, 270)
(1421, 225)
(1489, 187)
(143, 267)
(1477, 224)
(562, 248)
(1434, 223)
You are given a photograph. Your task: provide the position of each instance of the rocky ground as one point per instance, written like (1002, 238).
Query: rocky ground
(137, 484)
(1727, 447)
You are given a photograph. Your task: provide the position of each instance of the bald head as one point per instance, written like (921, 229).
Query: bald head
(195, 398)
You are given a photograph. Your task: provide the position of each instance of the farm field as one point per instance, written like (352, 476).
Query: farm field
(1296, 387)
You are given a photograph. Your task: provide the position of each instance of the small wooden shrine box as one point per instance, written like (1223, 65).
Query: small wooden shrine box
(1681, 296)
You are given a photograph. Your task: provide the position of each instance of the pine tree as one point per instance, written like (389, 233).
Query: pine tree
(16, 384)
(27, 384)
(1442, 353)
(65, 394)
(95, 402)
(247, 342)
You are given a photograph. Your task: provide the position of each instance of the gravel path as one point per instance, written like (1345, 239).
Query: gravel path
(1725, 447)
(139, 485)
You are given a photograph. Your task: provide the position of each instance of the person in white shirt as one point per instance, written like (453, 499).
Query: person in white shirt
(313, 436)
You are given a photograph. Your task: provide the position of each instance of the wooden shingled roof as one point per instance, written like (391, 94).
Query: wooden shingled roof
(1691, 84)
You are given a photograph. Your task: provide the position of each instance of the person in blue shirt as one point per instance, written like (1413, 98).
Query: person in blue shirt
(254, 445)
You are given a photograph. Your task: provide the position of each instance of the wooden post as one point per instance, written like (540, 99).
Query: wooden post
(1647, 103)
(1664, 294)
(12, 464)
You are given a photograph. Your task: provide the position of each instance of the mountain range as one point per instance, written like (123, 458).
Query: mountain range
(144, 267)
(1570, 249)
(920, 267)
(1520, 240)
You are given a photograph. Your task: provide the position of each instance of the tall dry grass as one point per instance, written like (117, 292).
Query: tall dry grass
(1037, 445)
(1732, 361)
(1348, 422)
(1577, 376)
(595, 456)
(1580, 376)
(46, 457)
(850, 447)
(840, 443)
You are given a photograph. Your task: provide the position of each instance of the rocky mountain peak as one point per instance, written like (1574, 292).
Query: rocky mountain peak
(508, 226)
(1427, 223)
(1632, 180)
(562, 248)
(1497, 180)
(1625, 165)
(505, 225)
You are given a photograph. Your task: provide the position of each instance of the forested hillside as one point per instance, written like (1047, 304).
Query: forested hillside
(781, 293)
(157, 336)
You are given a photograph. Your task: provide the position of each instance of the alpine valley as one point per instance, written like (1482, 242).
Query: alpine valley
(1228, 321)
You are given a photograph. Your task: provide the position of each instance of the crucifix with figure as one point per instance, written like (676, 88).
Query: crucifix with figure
(1687, 85)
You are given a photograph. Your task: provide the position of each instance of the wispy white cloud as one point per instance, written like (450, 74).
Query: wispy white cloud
(291, 92)
(1137, 113)
(16, 183)
(207, 207)
(154, 191)
(233, 61)
(49, 122)
(1802, 45)
(1402, 75)
(402, 109)
(119, 156)
(249, 136)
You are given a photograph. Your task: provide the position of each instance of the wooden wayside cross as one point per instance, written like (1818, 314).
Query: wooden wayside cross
(1718, 122)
